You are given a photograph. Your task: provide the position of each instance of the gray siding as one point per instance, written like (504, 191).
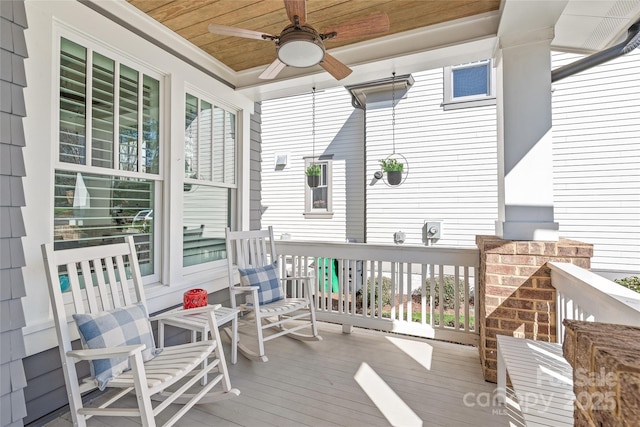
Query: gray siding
(13, 51)
(255, 186)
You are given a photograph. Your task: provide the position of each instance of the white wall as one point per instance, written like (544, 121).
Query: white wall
(453, 159)
(47, 20)
(287, 129)
(452, 167)
(596, 143)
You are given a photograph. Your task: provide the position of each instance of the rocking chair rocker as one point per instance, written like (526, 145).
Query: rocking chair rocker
(111, 316)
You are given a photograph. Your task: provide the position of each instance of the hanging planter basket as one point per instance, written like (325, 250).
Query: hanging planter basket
(313, 181)
(394, 177)
(313, 175)
(395, 169)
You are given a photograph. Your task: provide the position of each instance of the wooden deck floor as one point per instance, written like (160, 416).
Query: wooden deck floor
(366, 378)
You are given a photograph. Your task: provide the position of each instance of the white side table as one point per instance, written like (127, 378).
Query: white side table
(199, 323)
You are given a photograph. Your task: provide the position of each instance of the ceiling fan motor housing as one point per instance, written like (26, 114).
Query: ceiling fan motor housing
(300, 46)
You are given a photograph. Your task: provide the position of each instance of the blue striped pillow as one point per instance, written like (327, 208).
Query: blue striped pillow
(267, 278)
(121, 326)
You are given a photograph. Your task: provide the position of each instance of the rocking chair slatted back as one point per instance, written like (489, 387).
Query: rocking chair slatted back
(253, 249)
(92, 292)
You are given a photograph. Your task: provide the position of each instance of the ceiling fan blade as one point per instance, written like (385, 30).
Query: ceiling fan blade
(238, 32)
(296, 8)
(334, 67)
(272, 70)
(369, 25)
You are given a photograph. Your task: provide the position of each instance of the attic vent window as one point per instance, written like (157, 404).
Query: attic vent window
(469, 85)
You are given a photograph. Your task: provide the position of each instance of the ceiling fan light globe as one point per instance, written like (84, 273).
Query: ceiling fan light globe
(300, 46)
(300, 53)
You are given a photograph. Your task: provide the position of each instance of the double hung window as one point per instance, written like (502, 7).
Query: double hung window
(209, 179)
(107, 177)
(318, 200)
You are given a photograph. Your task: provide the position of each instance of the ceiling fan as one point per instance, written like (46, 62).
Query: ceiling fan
(300, 45)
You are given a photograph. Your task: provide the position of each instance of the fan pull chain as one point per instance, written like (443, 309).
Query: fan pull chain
(393, 112)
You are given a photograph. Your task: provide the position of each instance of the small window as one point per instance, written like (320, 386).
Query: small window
(469, 85)
(318, 203)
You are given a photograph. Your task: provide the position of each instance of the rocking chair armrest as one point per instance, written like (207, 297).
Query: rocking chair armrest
(297, 278)
(181, 312)
(239, 289)
(106, 353)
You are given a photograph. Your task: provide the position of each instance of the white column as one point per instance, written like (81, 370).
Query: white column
(525, 175)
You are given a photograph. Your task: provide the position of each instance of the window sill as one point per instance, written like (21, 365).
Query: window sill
(457, 105)
(318, 215)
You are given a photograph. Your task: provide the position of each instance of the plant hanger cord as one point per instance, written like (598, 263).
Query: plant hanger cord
(393, 112)
(313, 125)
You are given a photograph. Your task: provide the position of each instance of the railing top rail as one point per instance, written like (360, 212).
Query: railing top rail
(378, 252)
(594, 291)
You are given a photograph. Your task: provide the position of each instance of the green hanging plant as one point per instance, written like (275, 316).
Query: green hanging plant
(313, 170)
(391, 165)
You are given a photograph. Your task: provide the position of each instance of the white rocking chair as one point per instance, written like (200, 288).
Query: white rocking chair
(100, 294)
(253, 250)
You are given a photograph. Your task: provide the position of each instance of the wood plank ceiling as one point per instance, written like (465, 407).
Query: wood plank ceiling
(189, 18)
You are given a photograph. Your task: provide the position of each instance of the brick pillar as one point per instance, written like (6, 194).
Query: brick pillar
(515, 293)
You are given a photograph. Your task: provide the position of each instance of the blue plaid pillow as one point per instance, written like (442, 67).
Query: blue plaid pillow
(267, 278)
(121, 326)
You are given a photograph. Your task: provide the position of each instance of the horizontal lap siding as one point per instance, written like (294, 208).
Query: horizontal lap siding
(596, 143)
(452, 161)
(339, 131)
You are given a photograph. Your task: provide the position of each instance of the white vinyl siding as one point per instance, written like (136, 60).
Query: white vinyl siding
(452, 167)
(452, 164)
(286, 128)
(596, 143)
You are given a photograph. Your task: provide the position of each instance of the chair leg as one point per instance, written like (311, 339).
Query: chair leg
(219, 352)
(312, 307)
(259, 331)
(160, 334)
(312, 315)
(234, 340)
(142, 391)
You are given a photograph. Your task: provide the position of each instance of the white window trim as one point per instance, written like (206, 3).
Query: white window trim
(92, 46)
(309, 212)
(197, 269)
(451, 103)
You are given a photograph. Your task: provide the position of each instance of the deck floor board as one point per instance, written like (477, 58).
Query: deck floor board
(316, 384)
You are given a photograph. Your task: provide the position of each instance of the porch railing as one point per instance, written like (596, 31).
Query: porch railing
(416, 290)
(583, 295)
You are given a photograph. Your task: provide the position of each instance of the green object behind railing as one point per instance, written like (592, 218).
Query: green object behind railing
(328, 273)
